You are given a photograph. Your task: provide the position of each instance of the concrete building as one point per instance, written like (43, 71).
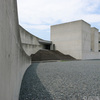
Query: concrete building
(77, 39)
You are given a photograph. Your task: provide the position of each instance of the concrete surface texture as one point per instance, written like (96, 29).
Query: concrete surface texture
(71, 80)
(66, 38)
(94, 39)
(31, 44)
(13, 60)
(45, 81)
(77, 39)
(99, 41)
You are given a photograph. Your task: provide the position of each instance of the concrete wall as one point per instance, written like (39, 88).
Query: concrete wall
(68, 38)
(31, 49)
(86, 40)
(77, 39)
(30, 42)
(94, 39)
(86, 37)
(94, 49)
(13, 60)
(99, 41)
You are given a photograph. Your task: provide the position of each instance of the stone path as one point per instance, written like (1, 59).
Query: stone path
(72, 80)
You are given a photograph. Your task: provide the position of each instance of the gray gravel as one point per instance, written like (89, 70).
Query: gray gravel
(72, 80)
(32, 88)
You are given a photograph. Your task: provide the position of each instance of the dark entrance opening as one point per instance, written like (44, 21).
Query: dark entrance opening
(47, 46)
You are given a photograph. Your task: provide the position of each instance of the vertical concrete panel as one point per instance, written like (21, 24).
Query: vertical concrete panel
(68, 38)
(86, 40)
(99, 41)
(99, 35)
(86, 37)
(13, 60)
(94, 39)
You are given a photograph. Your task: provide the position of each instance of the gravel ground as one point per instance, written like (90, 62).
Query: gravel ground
(32, 88)
(72, 80)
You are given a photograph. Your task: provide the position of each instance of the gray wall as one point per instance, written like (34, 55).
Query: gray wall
(94, 39)
(77, 39)
(13, 60)
(86, 37)
(67, 38)
(93, 44)
(30, 42)
(99, 41)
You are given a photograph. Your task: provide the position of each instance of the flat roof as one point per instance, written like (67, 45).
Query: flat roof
(45, 42)
(71, 22)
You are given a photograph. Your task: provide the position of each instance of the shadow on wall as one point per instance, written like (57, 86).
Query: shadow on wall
(31, 87)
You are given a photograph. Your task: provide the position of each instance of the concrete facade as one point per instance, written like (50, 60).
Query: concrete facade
(30, 43)
(94, 39)
(13, 59)
(99, 41)
(77, 39)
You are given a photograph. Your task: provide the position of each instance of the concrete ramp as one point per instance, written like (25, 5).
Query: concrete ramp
(72, 80)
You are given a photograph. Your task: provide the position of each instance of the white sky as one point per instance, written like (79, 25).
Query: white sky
(36, 16)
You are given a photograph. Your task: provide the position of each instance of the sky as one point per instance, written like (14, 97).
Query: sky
(36, 16)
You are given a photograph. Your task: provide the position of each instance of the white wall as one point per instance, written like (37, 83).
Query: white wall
(86, 37)
(67, 38)
(94, 39)
(86, 40)
(77, 39)
(13, 60)
(94, 51)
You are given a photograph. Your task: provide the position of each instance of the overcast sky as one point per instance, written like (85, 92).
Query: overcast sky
(36, 16)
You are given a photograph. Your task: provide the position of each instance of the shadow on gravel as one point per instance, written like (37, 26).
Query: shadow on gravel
(31, 87)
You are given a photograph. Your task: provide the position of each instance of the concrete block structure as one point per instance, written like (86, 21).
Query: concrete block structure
(77, 39)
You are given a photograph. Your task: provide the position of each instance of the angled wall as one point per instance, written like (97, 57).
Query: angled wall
(93, 53)
(30, 43)
(13, 60)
